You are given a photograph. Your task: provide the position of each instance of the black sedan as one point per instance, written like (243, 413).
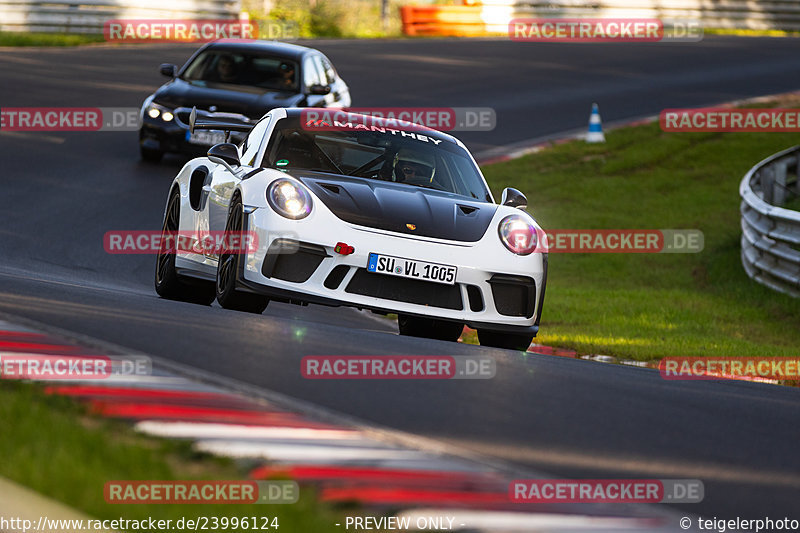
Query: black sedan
(234, 81)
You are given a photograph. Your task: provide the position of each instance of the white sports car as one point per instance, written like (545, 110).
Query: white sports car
(389, 217)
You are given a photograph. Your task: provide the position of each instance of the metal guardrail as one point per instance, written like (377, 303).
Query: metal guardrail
(491, 17)
(771, 234)
(88, 16)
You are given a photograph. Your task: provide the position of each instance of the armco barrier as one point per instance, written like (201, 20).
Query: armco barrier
(771, 234)
(491, 17)
(88, 16)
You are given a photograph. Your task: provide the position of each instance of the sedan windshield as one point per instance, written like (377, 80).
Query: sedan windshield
(411, 158)
(245, 69)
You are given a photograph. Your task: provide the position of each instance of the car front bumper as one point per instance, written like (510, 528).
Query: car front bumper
(296, 261)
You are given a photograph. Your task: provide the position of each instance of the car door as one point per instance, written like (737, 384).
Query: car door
(223, 182)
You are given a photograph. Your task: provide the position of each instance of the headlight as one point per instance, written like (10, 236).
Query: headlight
(155, 110)
(289, 199)
(518, 234)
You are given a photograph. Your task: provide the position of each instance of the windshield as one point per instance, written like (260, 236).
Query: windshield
(381, 155)
(242, 69)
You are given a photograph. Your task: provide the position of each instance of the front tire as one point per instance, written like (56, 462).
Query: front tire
(429, 328)
(168, 283)
(507, 341)
(228, 268)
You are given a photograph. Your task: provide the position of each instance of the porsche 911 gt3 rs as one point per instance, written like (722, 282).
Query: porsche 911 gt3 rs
(370, 213)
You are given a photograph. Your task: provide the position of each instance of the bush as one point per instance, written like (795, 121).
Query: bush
(331, 18)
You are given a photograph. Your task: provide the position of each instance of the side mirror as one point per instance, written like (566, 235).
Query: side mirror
(319, 89)
(225, 154)
(169, 70)
(513, 198)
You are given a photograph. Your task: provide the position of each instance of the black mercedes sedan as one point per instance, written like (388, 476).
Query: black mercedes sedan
(234, 81)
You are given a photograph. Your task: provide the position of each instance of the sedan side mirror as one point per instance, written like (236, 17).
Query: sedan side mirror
(225, 154)
(513, 198)
(319, 89)
(168, 69)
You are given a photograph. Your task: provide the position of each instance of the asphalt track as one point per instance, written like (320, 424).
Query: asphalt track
(62, 191)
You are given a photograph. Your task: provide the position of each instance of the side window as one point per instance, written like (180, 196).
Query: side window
(323, 77)
(327, 69)
(252, 142)
(310, 72)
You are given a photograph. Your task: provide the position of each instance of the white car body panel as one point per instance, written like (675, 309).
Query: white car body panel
(476, 262)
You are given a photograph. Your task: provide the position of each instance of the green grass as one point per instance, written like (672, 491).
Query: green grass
(49, 444)
(751, 33)
(332, 18)
(647, 306)
(46, 39)
(792, 203)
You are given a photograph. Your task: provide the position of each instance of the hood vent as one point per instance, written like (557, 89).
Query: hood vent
(401, 209)
(329, 187)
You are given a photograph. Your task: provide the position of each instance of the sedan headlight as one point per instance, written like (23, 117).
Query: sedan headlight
(289, 199)
(155, 110)
(518, 234)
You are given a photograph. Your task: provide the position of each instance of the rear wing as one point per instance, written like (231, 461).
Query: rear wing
(227, 127)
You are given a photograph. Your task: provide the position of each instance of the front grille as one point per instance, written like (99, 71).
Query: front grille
(336, 276)
(475, 298)
(405, 290)
(513, 295)
(182, 117)
(293, 261)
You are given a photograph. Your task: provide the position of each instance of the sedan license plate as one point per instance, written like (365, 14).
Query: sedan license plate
(411, 268)
(206, 138)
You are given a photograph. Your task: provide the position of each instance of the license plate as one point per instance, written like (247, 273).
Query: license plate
(206, 138)
(411, 268)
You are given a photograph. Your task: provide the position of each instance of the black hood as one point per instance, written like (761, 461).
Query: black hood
(401, 208)
(253, 103)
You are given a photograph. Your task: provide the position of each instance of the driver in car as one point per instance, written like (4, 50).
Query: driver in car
(286, 80)
(226, 69)
(414, 168)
